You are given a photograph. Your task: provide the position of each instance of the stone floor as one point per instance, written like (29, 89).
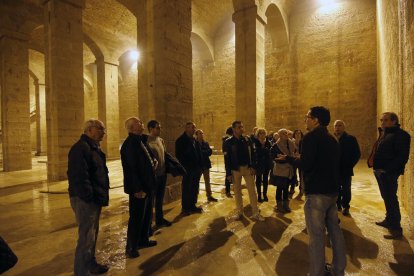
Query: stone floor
(38, 223)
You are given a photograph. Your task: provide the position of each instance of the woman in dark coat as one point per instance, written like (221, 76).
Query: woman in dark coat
(262, 146)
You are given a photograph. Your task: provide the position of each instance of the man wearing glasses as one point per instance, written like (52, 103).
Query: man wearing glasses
(88, 191)
(319, 161)
(388, 158)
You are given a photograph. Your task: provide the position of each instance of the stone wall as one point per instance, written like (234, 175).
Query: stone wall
(214, 87)
(330, 60)
(396, 77)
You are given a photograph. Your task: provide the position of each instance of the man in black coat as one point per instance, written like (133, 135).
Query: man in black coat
(138, 164)
(350, 155)
(188, 152)
(319, 161)
(88, 191)
(389, 156)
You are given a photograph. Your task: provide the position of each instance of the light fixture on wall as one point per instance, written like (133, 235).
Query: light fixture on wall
(328, 6)
(134, 55)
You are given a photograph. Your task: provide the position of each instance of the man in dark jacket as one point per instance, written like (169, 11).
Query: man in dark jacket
(320, 164)
(240, 161)
(188, 152)
(88, 191)
(350, 155)
(389, 157)
(206, 152)
(139, 165)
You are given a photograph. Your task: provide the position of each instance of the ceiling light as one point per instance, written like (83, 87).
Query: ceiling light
(134, 55)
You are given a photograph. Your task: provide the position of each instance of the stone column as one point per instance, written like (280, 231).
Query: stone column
(41, 133)
(15, 101)
(108, 107)
(165, 71)
(164, 68)
(128, 92)
(64, 81)
(250, 67)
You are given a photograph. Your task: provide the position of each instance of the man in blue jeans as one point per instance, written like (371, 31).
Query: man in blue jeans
(320, 164)
(88, 191)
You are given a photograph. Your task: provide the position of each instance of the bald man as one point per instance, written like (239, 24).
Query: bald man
(139, 165)
(350, 155)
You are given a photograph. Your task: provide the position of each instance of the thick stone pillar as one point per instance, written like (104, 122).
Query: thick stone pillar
(64, 81)
(15, 101)
(41, 133)
(108, 105)
(164, 68)
(250, 67)
(128, 92)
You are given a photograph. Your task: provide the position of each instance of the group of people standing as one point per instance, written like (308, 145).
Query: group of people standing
(321, 162)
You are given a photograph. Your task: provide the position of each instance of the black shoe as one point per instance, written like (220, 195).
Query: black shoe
(265, 198)
(99, 269)
(345, 212)
(212, 199)
(132, 254)
(259, 199)
(197, 210)
(229, 195)
(394, 235)
(383, 223)
(149, 243)
(163, 223)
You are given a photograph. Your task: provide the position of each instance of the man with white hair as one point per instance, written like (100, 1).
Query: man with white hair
(139, 165)
(88, 192)
(349, 156)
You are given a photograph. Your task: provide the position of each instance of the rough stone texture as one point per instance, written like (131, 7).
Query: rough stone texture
(90, 91)
(339, 72)
(64, 82)
(128, 92)
(214, 86)
(396, 77)
(250, 71)
(165, 90)
(108, 108)
(33, 90)
(15, 101)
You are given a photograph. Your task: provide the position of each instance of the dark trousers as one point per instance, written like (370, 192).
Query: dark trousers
(139, 224)
(388, 186)
(159, 198)
(262, 177)
(344, 193)
(87, 217)
(190, 188)
(227, 185)
(282, 190)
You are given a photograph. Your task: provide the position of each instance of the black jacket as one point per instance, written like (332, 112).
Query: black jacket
(188, 152)
(393, 150)
(320, 162)
(350, 154)
(231, 155)
(264, 162)
(206, 152)
(138, 171)
(173, 166)
(87, 172)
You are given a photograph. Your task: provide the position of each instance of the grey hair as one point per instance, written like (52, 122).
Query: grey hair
(91, 123)
(130, 122)
(393, 116)
(341, 122)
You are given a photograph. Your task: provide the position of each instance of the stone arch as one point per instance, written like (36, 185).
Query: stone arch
(97, 52)
(276, 26)
(33, 75)
(201, 48)
(126, 64)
